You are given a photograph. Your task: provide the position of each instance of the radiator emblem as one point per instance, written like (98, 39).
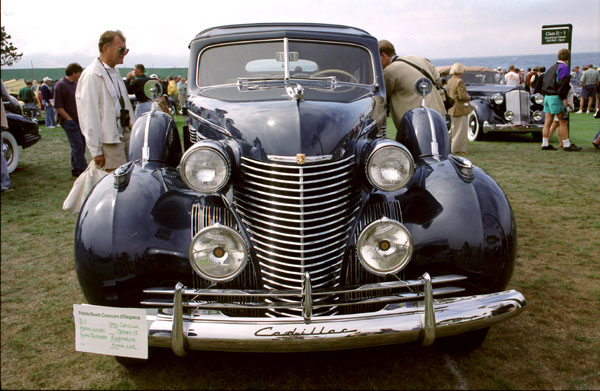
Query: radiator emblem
(300, 158)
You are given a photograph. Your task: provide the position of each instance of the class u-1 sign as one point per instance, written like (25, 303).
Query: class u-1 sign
(555, 36)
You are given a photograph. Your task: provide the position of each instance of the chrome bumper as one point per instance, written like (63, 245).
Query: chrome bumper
(422, 321)
(487, 127)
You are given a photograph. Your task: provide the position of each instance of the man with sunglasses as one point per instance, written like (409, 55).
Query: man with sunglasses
(105, 112)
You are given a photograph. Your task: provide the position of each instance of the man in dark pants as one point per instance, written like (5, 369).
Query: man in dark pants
(64, 103)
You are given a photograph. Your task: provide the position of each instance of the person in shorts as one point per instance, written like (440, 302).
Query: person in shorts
(590, 80)
(555, 89)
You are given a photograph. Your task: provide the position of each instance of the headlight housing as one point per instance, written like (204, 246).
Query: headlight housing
(384, 247)
(498, 98)
(218, 253)
(205, 168)
(390, 167)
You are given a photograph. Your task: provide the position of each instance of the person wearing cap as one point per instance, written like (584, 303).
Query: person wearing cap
(105, 112)
(48, 102)
(400, 75)
(460, 111)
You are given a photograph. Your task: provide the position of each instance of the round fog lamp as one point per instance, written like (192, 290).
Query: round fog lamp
(384, 247)
(218, 253)
(537, 115)
(509, 116)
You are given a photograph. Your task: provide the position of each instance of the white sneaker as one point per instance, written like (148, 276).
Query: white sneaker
(587, 112)
(579, 112)
(51, 127)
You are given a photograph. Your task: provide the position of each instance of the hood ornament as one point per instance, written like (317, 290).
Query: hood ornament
(296, 93)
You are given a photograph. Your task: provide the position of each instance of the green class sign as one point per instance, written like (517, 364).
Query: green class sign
(555, 36)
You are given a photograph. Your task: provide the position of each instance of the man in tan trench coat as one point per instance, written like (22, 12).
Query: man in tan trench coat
(400, 77)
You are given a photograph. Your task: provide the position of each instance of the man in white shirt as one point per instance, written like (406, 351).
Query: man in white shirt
(512, 78)
(105, 112)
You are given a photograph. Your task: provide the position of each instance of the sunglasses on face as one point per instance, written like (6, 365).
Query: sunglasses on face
(122, 51)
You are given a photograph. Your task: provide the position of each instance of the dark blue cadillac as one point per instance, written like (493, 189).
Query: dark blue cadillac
(288, 221)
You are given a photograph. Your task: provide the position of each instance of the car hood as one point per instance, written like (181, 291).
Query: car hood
(488, 89)
(286, 126)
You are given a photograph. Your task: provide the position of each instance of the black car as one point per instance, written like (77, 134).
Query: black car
(288, 221)
(22, 131)
(498, 107)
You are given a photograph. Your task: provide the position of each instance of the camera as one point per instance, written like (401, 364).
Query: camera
(125, 117)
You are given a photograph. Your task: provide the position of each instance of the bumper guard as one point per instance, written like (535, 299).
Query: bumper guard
(422, 321)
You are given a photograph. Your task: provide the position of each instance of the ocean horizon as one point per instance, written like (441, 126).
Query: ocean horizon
(520, 60)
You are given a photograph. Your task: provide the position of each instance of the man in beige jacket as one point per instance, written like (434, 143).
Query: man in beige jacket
(400, 75)
(105, 112)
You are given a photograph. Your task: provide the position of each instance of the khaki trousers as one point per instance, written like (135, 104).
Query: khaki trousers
(115, 155)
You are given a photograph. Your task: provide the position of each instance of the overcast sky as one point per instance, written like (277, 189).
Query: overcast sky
(53, 33)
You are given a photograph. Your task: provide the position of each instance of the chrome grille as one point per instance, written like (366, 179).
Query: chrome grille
(517, 101)
(299, 218)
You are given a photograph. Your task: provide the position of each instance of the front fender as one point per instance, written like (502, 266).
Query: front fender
(163, 138)
(128, 237)
(416, 133)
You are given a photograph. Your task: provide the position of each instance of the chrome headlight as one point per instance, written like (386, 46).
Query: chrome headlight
(498, 99)
(205, 169)
(218, 253)
(537, 115)
(509, 116)
(390, 167)
(384, 247)
(538, 99)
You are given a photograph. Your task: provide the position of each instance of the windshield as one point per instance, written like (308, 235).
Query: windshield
(225, 64)
(482, 77)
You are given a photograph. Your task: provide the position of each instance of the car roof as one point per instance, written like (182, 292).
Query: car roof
(256, 31)
(274, 27)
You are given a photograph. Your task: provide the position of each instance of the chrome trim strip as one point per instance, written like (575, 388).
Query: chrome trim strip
(274, 165)
(209, 123)
(338, 190)
(252, 214)
(292, 159)
(276, 293)
(290, 190)
(275, 203)
(211, 330)
(341, 169)
(512, 127)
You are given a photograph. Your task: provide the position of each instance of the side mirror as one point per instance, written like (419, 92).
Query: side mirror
(153, 89)
(423, 86)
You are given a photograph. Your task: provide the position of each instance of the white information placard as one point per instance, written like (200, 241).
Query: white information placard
(111, 330)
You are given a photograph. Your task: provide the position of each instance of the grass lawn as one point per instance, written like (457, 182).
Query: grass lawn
(554, 344)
